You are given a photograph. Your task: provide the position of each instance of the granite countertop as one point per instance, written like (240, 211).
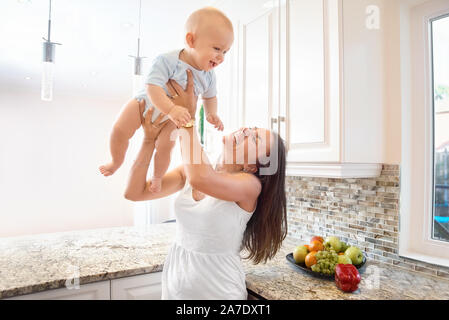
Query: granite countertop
(36, 263)
(279, 280)
(40, 262)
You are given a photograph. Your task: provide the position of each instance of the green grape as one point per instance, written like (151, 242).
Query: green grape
(326, 262)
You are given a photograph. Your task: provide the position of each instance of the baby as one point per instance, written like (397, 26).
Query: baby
(209, 35)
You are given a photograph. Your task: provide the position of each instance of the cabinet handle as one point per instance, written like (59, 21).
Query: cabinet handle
(280, 119)
(273, 121)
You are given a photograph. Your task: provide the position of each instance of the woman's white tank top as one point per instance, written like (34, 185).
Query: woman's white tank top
(204, 262)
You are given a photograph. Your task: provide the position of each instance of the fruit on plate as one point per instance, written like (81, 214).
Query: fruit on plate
(310, 259)
(323, 257)
(317, 238)
(326, 262)
(316, 246)
(333, 242)
(342, 259)
(344, 246)
(347, 277)
(355, 254)
(300, 253)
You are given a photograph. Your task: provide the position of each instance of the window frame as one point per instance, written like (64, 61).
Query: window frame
(417, 172)
(432, 69)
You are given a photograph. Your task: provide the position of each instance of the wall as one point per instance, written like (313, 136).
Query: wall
(49, 159)
(392, 136)
(361, 212)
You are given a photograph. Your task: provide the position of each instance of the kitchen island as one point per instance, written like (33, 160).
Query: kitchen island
(39, 263)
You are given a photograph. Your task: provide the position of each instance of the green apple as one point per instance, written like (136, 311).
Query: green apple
(342, 259)
(300, 253)
(355, 254)
(344, 246)
(333, 242)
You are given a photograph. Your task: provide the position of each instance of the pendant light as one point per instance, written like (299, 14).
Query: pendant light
(137, 73)
(48, 64)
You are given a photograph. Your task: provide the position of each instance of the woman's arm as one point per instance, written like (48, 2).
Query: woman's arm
(197, 168)
(201, 176)
(137, 188)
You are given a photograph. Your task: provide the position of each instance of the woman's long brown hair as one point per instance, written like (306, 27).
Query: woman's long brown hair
(267, 227)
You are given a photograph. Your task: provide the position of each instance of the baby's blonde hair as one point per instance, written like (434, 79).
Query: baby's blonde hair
(205, 18)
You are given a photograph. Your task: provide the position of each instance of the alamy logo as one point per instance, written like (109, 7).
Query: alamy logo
(372, 21)
(73, 282)
(268, 161)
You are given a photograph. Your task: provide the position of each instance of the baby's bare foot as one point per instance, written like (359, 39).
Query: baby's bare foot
(109, 169)
(156, 185)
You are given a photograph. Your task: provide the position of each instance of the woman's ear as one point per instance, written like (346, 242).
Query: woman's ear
(190, 39)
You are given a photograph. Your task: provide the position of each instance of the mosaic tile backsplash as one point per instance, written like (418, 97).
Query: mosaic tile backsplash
(361, 212)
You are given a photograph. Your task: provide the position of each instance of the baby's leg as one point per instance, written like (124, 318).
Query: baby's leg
(128, 121)
(164, 147)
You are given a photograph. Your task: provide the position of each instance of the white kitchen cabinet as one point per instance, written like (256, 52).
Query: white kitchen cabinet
(312, 70)
(142, 287)
(91, 291)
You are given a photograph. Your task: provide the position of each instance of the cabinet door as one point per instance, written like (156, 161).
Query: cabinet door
(259, 72)
(91, 291)
(255, 56)
(312, 54)
(143, 287)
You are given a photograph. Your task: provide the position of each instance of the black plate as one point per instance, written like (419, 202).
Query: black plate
(303, 267)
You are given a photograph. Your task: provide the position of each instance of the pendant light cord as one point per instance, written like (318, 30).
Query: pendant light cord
(140, 19)
(48, 40)
(140, 15)
(49, 22)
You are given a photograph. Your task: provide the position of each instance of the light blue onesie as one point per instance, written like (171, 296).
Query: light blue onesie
(168, 66)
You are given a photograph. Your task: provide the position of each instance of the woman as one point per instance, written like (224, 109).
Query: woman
(219, 211)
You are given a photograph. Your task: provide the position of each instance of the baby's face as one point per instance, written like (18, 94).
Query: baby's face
(211, 47)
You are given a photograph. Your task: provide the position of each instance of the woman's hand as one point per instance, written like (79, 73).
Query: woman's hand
(152, 130)
(182, 97)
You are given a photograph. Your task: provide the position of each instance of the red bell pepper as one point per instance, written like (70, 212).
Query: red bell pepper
(347, 277)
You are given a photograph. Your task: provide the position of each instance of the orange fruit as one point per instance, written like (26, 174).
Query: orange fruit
(310, 259)
(341, 253)
(317, 238)
(316, 246)
(307, 246)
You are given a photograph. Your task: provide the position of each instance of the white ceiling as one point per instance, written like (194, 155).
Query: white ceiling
(96, 35)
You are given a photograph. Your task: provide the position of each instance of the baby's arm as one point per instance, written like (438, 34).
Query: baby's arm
(178, 114)
(210, 108)
(210, 105)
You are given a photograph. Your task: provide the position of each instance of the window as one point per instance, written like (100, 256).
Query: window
(424, 212)
(440, 79)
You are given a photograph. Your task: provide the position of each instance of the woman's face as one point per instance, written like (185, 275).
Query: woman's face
(246, 145)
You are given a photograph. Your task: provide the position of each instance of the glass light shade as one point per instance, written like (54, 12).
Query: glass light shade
(47, 81)
(137, 83)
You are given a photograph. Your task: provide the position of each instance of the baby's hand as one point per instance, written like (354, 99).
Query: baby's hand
(179, 115)
(215, 120)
